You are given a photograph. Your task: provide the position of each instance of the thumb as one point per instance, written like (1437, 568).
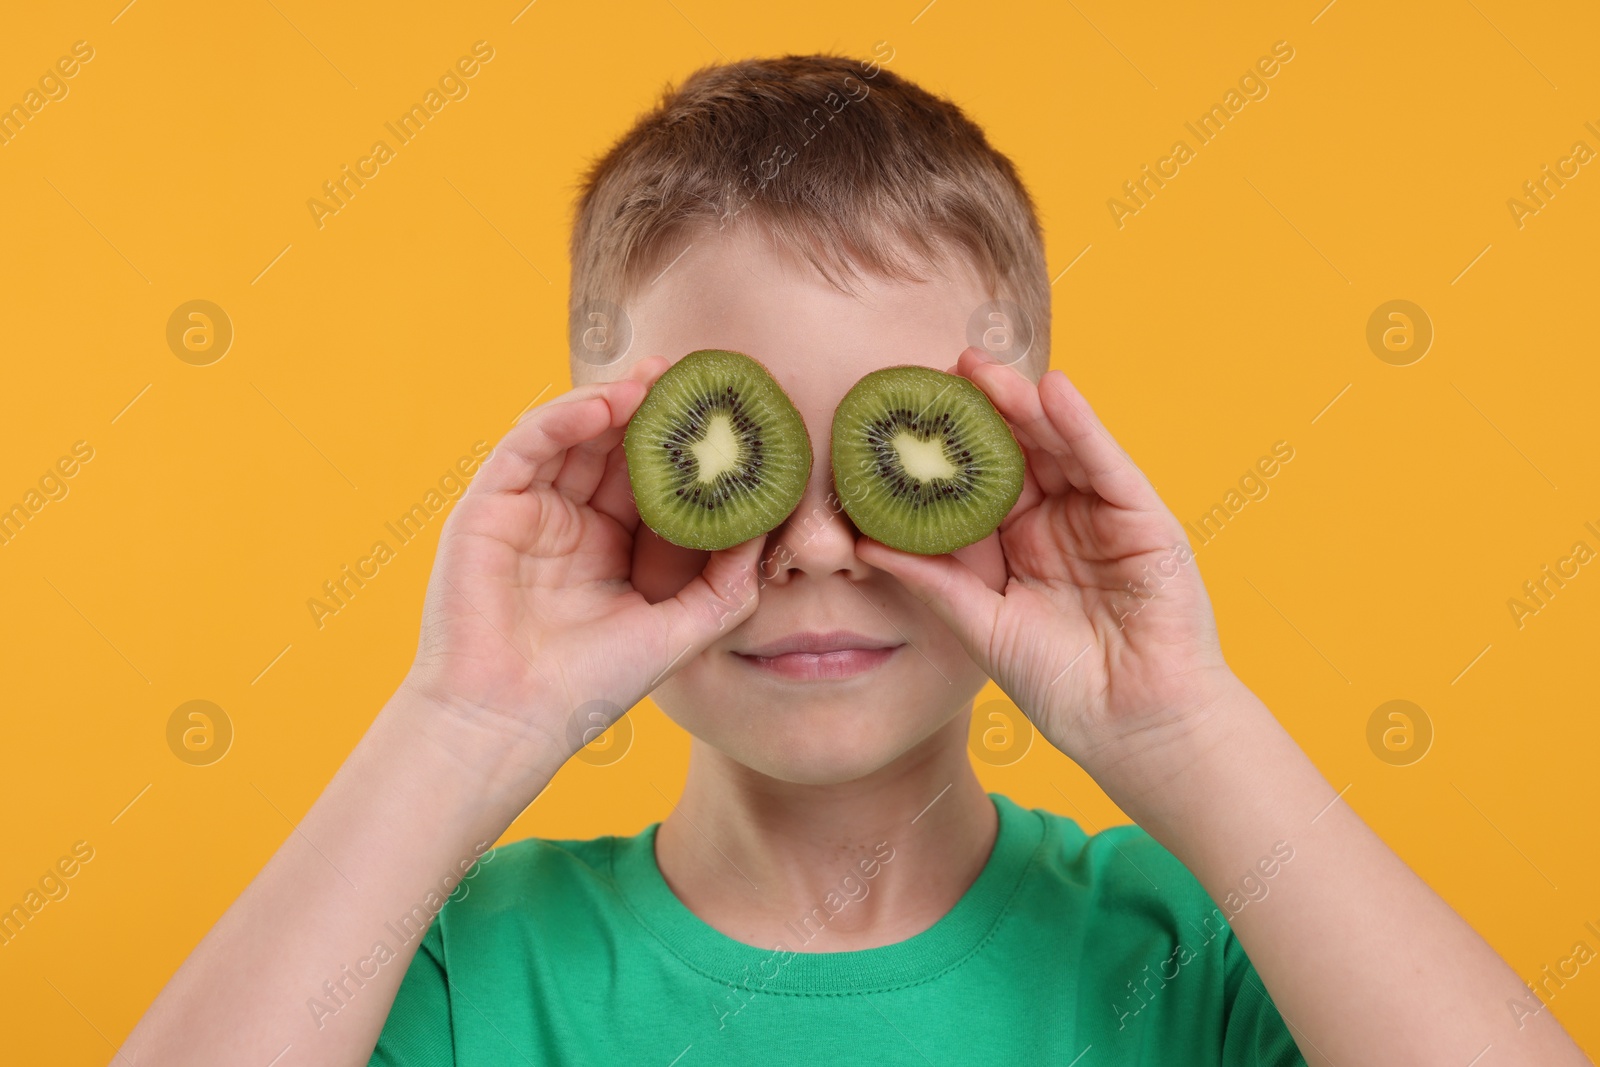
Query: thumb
(953, 590)
(719, 598)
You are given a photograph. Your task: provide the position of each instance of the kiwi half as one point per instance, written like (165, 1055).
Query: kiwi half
(717, 452)
(922, 461)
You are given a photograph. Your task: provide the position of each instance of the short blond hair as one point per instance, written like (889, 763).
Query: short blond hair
(841, 161)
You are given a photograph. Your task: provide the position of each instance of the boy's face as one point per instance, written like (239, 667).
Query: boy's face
(837, 717)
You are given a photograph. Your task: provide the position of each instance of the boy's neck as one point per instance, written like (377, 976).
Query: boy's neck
(749, 855)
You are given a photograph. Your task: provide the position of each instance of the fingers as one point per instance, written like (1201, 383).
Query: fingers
(586, 463)
(614, 495)
(718, 599)
(534, 451)
(1033, 486)
(1057, 418)
(1016, 398)
(950, 588)
(1110, 471)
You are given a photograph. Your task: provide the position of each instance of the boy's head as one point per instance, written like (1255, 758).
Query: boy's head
(828, 218)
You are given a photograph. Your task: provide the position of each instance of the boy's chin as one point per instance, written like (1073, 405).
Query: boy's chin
(817, 748)
(816, 768)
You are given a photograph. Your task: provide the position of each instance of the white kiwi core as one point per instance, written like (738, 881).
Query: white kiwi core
(923, 459)
(718, 451)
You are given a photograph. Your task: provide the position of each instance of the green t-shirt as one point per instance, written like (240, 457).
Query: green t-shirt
(1068, 949)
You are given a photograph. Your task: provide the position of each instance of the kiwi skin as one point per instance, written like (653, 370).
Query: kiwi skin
(924, 517)
(700, 386)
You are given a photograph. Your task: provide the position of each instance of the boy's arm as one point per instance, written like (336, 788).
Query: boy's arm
(1105, 637)
(1365, 963)
(518, 666)
(392, 835)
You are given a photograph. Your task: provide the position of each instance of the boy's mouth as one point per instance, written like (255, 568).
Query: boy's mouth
(817, 655)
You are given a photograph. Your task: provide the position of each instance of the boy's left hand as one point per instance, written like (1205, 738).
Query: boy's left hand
(1099, 665)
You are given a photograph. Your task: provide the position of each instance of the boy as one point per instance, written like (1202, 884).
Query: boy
(833, 886)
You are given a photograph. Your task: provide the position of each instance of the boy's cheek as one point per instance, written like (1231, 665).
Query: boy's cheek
(660, 568)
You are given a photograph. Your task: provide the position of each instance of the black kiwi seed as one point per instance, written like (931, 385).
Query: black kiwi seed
(963, 500)
(701, 402)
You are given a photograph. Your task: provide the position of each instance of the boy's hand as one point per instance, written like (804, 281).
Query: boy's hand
(1101, 667)
(532, 632)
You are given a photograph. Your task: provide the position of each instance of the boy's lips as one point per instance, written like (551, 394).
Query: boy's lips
(829, 641)
(834, 654)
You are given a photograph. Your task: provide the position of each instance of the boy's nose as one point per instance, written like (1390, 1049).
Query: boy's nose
(817, 538)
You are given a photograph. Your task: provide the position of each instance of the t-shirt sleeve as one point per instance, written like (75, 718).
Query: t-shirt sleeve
(417, 1032)
(1254, 1034)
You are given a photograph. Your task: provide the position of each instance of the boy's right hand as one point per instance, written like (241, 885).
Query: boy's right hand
(532, 629)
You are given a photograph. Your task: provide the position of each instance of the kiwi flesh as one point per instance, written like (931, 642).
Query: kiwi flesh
(717, 452)
(922, 461)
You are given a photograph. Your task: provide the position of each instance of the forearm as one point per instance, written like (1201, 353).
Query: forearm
(1366, 963)
(403, 818)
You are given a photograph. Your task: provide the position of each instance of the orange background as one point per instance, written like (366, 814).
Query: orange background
(1230, 312)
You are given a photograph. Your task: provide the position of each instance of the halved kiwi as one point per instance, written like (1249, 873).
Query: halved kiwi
(717, 452)
(922, 461)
